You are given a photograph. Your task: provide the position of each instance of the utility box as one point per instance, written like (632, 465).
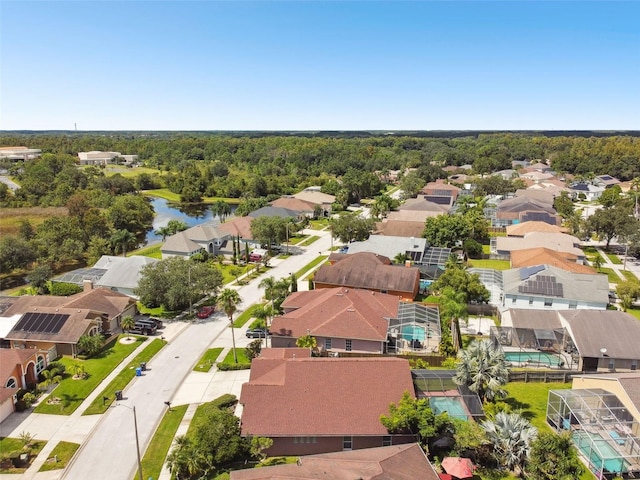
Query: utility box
(118, 394)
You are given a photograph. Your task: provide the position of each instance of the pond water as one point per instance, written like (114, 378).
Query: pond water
(192, 215)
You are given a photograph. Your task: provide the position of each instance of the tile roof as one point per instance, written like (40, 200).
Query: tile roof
(541, 256)
(322, 396)
(337, 313)
(396, 462)
(238, 226)
(368, 271)
(10, 357)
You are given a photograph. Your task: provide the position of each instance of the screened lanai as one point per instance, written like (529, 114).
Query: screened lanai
(445, 395)
(604, 432)
(417, 329)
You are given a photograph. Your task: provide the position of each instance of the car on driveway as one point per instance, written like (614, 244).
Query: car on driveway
(205, 312)
(257, 333)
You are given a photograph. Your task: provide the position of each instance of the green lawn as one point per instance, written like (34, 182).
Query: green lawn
(531, 400)
(160, 444)
(227, 276)
(486, 249)
(316, 261)
(245, 316)
(127, 172)
(494, 264)
(319, 224)
(240, 352)
(590, 250)
(9, 445)
(310, 240)
(297, 239)
(60, 456)
(152, 251)
(174, 197)
(629, 275)
(207, 360)
(611, 274)
(159, 312)
(73, 392)
(635, 312)
(614, 258)
(123, 378)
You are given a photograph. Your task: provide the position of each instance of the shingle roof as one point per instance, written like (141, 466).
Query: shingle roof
(388, 246)
(521, 229)
(337, 313)
(413, 215)
(323, 396)
(187, 240)
(315, 197)
(540, 256)
(238, 226)
(293, 203)
(368, 271)
(521, 204)
(400, 228)
(274, 212)
(180, 242)
(76, 325)
(122, 272)
(557, 241)
(396, 462)
(420, 204)
(616, 331)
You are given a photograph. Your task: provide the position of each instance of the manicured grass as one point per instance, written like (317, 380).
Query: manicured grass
(629, 275)
(316, 261)
(245, 316)
(9, 444)
(486, 249)
(614, 258)
(73, 392)
(207, 360)
(635, 312)
(226, 269)
(126, 172)
(590, 250)
(152, 251)
(611, 274)
(592, 259)
(241, 354)
(310, 240)
(60, 456)
(494, 264)
(297, 240)
(319, 224)
(531, 400)
(123, 378)
(160, 444)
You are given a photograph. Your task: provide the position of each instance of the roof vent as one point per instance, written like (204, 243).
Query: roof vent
(351, 309)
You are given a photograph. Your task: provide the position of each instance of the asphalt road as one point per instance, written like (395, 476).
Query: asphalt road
(110, 451)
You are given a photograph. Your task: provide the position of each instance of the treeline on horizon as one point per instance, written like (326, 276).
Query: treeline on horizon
(310, 156)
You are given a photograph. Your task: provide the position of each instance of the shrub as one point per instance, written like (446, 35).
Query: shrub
(28, 399)
(64, 289)
(225, 367)
(225, 401)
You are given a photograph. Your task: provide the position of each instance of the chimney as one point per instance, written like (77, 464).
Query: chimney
(407, 263)
(87, 285)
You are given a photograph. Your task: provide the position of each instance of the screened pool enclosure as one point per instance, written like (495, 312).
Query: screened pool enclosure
(445, 395)
(417, 329)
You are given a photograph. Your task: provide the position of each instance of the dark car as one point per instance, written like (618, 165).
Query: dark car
(205, 312)
(257, 333)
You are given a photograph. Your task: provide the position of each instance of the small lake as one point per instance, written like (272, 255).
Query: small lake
(191, 214)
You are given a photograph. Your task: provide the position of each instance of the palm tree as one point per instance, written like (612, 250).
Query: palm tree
(453, 307)
(127, 324)
(221, 209)
(483, 368)
(164, 232)
(400, 258)
(307, 341)
(228, 301)
(121, 239)
(511, 435)
(51, 376)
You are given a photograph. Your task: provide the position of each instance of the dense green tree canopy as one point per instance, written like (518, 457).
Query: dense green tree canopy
(351, 227)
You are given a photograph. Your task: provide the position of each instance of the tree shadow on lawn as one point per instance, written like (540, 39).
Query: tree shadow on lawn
(520, 407)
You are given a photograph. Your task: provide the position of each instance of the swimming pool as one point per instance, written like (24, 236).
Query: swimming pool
(535, 357)
(452, 405)
(589, 447)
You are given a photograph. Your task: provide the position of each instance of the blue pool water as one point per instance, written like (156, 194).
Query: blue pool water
(539, 357)
(611, 460)
(413, 332)
(452, 405)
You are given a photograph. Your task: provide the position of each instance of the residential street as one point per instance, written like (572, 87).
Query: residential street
(109, 451)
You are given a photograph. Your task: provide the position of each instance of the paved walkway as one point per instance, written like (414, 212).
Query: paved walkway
(169, 377)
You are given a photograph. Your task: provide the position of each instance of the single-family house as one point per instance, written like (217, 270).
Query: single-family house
(397, 462)
(306, 209)
(586, 191)
(369, 271)
(421, 204)
(315, 405)
(271, 211)
(340, 319)
(238, 227)
(399, 228)
(522, 209)
(19, 369)
(607, 181)
(560, 242)
(208, 237)
(434, 190)
(521, 229)
(103, 158)
(314, 196)
(545, 256)
(543, 287)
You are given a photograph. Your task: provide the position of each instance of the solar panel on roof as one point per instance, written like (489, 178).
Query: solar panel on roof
(39, 322)
(529, 271)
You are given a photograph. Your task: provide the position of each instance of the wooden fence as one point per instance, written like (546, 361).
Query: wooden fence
(540, 376)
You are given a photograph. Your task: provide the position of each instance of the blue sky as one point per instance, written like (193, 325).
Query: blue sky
(333, 65)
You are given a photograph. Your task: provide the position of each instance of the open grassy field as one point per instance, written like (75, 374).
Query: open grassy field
(494, 264)
(161, 441)
(73, 392)
(127, 172)
(60, 456)
(123, 378)
(10, 218)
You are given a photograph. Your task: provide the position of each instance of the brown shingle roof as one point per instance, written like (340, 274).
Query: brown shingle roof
(77, 324)
(292, 203)
(338, 313)
(239, 226)
(541, 256)
(400, 228)
(369, 271)
(521, 229)
(323, 396)
(396, 462)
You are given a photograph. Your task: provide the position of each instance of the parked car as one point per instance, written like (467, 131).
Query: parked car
(257, 333)
(206, 311)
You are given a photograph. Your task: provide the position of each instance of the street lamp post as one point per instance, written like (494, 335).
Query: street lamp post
(287, 244)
